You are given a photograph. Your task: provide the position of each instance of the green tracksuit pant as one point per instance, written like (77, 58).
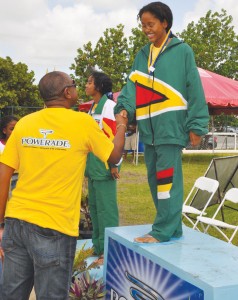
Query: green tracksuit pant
(102, 199)
(164, 170)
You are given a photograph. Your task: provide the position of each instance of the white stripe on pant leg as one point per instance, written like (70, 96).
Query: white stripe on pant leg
(163, 195)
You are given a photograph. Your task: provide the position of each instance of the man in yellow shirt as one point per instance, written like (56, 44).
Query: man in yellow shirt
(39, 227)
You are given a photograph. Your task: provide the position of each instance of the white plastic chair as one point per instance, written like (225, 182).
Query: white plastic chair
(232, 196)
(204, 184)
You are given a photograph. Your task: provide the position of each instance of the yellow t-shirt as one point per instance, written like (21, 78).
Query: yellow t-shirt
(49, 148)
(154, 52)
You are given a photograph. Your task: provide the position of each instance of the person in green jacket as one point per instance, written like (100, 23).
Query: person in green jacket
(164, 90)
(102, 185)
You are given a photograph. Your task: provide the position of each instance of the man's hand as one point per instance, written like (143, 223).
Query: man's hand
(195, 140)
(1, 250)
(5, 177)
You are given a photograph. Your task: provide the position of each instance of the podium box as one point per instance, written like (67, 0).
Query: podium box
(194, 267)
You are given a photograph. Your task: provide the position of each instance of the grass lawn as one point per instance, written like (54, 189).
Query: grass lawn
(134, 199)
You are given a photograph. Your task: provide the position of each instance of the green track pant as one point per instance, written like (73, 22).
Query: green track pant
(164, 170)
(103, 209)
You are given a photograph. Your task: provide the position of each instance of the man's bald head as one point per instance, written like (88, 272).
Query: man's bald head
(51, 85)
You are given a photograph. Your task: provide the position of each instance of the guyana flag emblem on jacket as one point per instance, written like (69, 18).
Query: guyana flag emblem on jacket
(154, 97)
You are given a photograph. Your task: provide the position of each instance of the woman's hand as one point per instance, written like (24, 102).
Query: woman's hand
(123, 113)
(195, 140)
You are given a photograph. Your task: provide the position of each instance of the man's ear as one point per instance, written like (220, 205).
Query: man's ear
(67, 93)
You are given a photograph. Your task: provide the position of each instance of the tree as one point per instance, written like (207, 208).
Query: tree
(16, 85)
(115, 58)
(110, 56)
(221, 121)
(84, 62)
(214, 43)
(136, 41)
(215, 46)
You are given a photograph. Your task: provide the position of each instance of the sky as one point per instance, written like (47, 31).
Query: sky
(45, 34)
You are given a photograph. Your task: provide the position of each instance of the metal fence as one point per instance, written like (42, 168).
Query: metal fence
(19, 111)
(217, 141)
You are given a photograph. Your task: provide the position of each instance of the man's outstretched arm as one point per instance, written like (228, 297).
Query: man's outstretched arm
(5, 177)
(119, 139)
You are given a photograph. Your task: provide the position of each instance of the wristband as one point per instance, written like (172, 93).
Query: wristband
(2, 225)
(120, 161)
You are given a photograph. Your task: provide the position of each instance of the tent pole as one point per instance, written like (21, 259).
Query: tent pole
(137, 146)
(213, 145)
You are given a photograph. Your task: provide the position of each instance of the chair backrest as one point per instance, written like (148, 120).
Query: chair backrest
(230, 195)
(207, 184)
(208, 187)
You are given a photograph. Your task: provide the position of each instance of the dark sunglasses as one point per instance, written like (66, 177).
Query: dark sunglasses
(57, 95)
(67, 86)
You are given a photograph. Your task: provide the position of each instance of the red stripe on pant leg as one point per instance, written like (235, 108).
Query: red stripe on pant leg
(165, 173)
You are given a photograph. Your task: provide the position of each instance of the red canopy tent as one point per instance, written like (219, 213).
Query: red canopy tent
(85, 106)
(221, 94)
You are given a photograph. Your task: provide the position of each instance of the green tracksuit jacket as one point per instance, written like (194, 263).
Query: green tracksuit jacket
(168, 103)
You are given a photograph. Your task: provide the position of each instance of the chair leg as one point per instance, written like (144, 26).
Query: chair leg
(234, 233)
